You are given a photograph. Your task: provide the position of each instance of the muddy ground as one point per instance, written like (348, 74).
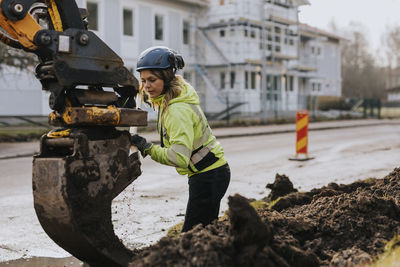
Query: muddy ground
(336, 225)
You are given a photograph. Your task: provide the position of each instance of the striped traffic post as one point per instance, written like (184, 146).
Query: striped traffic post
(302, 119)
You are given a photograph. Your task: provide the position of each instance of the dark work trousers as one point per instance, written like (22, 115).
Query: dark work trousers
(205, 193)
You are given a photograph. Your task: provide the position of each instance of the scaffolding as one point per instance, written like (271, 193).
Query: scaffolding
(274, 56)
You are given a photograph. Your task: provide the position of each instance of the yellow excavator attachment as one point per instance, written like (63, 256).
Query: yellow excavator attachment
(86, 163)
(23, 30)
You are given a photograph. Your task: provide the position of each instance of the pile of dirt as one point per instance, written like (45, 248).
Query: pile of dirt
(336, 225)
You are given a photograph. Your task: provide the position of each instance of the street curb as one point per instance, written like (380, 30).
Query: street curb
(309, 129)
(27, 155)
(227, 136)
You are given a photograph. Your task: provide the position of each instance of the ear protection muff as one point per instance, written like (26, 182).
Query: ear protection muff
(179, 62)
(176, 61)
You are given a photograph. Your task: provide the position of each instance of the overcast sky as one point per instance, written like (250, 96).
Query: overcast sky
(374, 14)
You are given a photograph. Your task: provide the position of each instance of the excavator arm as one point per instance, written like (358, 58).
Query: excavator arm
(85, 163)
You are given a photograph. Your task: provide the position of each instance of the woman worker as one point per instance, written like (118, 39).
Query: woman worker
(187, 142)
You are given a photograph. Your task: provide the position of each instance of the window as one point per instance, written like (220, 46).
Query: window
(222, 33)
(286, 79)
(253, 80)
(277, 39)
(252, 34)
(222, 80)
(233, 76)
(277, 48)
(276, 82)
(289, 83)
(246, 33)
(186, 32)
(277, 30)
(128, 22)
(291, 42)
(319, 87)
(159, 27)
(246, 80)
(319, 51)
(312, 50)
(93, 16)
(313, 86)
(232, 32)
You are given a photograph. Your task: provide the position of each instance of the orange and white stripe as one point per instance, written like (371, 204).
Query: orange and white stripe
(302, 119)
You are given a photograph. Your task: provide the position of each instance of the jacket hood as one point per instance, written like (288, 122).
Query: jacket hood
(187, 95)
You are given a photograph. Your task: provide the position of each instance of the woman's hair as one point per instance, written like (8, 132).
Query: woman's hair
(171, 86)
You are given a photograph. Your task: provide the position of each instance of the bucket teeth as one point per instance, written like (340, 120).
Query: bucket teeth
(75, 180)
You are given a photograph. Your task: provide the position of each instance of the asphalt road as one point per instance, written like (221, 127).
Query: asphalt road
(156, 201)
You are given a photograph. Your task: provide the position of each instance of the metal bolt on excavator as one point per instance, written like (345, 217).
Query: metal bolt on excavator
(85, 163)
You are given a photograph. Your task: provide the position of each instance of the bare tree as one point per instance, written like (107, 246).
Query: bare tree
(391, 50)
(391, 44)
(361, 76)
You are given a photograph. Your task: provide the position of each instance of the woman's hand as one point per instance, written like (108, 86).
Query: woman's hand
(141, 143)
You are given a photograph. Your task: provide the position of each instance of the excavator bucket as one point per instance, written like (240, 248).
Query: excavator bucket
(79, 171)
(75, 179)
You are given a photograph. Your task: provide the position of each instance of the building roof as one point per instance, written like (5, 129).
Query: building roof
(310, 31)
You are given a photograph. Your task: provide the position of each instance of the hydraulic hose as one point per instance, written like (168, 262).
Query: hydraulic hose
(9, 41)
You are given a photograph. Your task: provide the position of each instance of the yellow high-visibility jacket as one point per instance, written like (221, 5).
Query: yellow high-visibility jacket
(186, 135)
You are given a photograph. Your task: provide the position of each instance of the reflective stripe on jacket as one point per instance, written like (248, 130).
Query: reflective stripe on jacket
(185, 129)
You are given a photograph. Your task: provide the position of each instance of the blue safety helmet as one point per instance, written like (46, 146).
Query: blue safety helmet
(160, 57)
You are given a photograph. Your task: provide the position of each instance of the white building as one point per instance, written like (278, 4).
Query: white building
(300, 61)
(223, 43)
(21, 94)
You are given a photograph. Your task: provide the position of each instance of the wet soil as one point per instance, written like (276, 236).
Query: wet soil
(336, 225)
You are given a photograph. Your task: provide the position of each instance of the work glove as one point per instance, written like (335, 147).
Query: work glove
(141, 144)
